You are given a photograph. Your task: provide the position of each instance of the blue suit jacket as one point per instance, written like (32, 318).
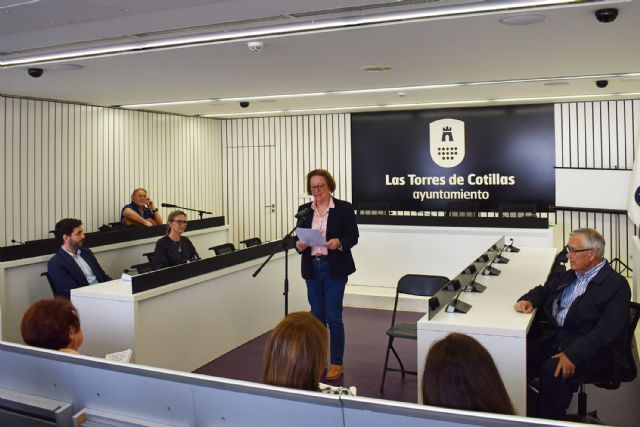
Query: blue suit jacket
(65, 273)
(342, 225)
(595, 319)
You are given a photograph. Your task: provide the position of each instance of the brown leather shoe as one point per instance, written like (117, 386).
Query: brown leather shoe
(334, 372)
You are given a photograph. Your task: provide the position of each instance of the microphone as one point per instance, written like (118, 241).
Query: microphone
(14, 241)
(168, 205)
(511, 248)
(303, 213)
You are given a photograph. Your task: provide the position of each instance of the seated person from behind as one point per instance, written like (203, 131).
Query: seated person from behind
(73, 266)
(52, 324)
(296, 354)
(587, 309)
(141, 210)
(174, 249)
(460, 374)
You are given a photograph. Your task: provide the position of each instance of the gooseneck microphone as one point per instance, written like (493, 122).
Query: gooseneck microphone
(303, 213)
(14, 241)
(168, 205)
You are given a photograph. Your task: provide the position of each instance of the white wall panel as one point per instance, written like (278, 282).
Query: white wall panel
(65, 160)
(265, 164)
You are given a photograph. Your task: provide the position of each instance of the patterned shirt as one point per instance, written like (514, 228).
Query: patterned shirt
(573, 291)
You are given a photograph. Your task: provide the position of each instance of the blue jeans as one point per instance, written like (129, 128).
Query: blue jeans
(325, 297)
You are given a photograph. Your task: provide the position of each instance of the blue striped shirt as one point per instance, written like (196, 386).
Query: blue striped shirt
(574, 290)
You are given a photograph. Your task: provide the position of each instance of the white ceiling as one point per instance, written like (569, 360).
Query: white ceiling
(569, 42)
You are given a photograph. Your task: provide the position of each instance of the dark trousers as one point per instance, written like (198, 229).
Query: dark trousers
(325, 296)
(555, 392)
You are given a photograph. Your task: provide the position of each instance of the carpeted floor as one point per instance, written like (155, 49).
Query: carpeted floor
(366, 343)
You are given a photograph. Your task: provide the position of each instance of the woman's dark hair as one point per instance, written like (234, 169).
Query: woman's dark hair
(296, 352)
(47, 323)
(65, 227)
(460, 374)
(172, 216)
(323, 173)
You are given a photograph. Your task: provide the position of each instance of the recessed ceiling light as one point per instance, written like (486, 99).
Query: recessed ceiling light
(376, 68)
(64, 67)
(556, 84)
(523, 19)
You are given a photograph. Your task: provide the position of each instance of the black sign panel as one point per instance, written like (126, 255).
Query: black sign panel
(424, 160)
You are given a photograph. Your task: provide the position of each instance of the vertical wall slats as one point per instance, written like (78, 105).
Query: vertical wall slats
(59, 160)
(266, 162)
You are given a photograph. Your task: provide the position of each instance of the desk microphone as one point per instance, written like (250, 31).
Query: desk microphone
(168, 205)
(303, 213)
(511, 248)
(14, 241)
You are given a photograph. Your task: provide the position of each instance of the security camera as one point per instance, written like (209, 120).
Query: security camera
(35, 72)
(606, 15)
(255, 46)
(602, 83)
(244, 104)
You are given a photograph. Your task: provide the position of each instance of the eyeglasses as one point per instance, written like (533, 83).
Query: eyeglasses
(318, 187)
(571, 250)
(180, 222)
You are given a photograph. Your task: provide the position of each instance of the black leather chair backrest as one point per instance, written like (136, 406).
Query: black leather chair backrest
(225, 248)
(253, 241)
(53, 288)
(421, 284)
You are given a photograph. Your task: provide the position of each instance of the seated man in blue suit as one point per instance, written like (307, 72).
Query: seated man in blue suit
(73, 266)
(587, 308)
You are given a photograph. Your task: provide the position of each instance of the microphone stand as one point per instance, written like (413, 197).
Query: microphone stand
(284, 245)
(189, 209)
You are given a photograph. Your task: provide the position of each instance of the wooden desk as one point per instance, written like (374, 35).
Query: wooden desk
(493, 321)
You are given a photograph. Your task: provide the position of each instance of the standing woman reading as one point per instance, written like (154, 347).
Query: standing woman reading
(325, 268)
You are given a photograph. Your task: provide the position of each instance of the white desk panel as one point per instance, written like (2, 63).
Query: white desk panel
(493, 321)
(21, 284)
(186, 324)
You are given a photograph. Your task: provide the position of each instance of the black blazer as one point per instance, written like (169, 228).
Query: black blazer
(65, 273)
(342, 225)
(595, 319)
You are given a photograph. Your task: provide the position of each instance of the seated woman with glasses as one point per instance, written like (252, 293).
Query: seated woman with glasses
(296, 354)
(52, 324)
(174, 248)
(461, 374)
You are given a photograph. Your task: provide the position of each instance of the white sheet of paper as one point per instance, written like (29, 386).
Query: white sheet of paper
(310, 237)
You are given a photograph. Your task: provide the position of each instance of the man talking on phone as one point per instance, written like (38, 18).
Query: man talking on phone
(141, 210)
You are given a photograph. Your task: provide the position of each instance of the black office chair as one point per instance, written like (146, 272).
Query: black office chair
(225, 248)
(559, 265)
(410, 284)
(253, 241)
(623, 367)
(149, 256)
(53, 288)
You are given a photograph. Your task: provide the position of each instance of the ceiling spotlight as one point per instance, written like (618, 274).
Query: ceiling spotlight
(255, 46)
(402, 94)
